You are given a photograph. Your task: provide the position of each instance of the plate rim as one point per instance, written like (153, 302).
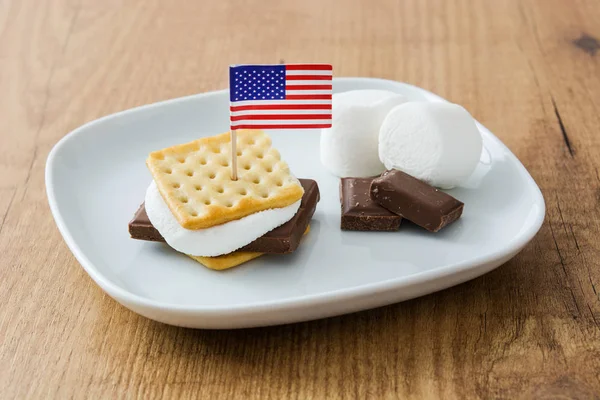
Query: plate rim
(122, 295)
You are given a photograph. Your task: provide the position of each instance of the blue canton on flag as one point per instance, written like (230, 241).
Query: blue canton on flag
(250, 82)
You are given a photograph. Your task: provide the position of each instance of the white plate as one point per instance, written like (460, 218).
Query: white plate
(96, 178)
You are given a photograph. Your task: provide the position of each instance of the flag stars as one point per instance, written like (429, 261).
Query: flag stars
(258, 83)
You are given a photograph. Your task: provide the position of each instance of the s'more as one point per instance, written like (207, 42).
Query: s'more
(194, 206)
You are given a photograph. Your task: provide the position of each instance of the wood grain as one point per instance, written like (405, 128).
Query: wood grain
(529, 70)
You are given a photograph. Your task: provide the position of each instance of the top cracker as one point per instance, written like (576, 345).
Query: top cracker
(195, 181)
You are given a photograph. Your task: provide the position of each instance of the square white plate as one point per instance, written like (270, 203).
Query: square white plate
(96, 178)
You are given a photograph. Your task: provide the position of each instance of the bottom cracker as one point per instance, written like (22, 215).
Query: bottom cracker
(230, 260)
(226, 260)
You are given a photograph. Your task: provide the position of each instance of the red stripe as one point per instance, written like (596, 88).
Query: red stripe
(308, 67)
(308, 97)
(308, 77)
(282, 107)
(283, 126)
(281, 116)
(308, 87)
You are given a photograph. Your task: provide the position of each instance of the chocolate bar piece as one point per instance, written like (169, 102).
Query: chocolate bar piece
(360, 212)
(281, 240)
(141, 228)
(415, 200)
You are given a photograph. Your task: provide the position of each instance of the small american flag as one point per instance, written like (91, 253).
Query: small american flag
(293, 96)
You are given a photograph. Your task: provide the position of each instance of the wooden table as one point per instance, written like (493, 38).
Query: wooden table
(529, 70)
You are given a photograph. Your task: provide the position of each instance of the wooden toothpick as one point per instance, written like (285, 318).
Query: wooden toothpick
(234, 176)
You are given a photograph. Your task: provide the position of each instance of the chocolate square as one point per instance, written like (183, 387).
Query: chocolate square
(415, 200)
(360, 212)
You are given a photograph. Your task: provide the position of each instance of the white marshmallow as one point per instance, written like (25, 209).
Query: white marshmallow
(438, 143)
(349, 147)
(217, 240)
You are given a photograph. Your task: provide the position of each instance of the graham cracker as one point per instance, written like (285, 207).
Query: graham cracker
(226, 261)
(195, 181)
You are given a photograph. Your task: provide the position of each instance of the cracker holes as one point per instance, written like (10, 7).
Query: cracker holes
(212, 175)
(247, 167)
(225, 163)
(239, 153)
(269, 169)
(207, 202)
(243, 192)
(256, 181)
(197, 187)
(220, 189)
(176, 186)
(260, 155)
(189, 172)
(181, 160)
(279, 183)
(202, 161)
(229, 204)
(183, 199)
(193, 213)
(168, 171)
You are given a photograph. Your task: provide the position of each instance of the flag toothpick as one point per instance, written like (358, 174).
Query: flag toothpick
(290, 96)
